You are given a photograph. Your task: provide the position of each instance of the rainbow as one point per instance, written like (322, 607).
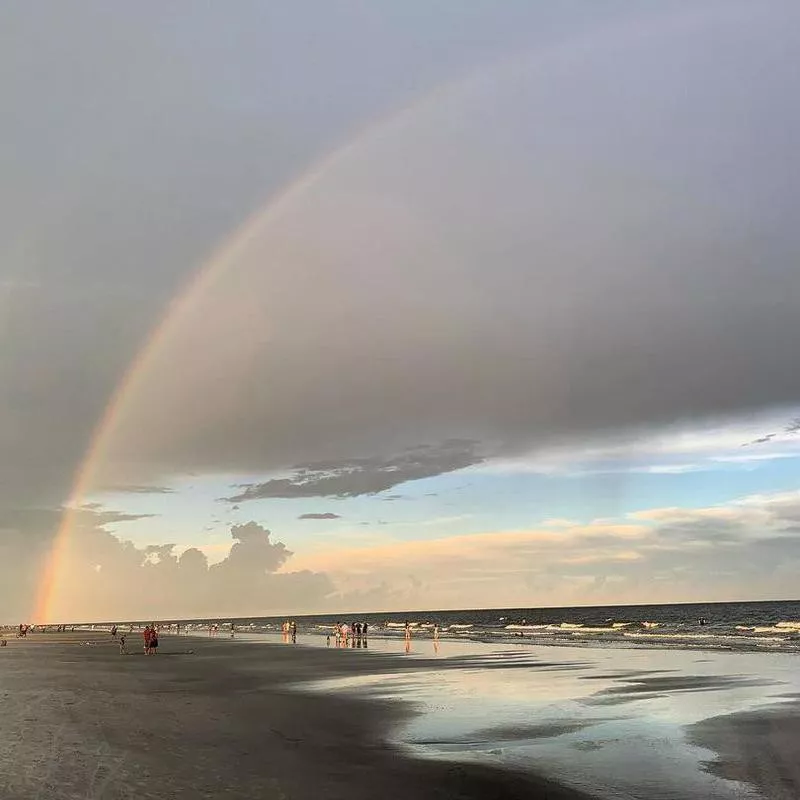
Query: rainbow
(179, 310)
(52, 580)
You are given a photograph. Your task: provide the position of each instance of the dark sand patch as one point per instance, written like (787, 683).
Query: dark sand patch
(651, 687)
(761, 748)
(223, 722)
(625, 674)
(501, 734)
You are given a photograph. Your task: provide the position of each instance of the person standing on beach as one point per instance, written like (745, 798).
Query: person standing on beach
(408, 631)
(364, 630)
(146, 635)
(123, 651)
(153, 641)
(294, 632)
(436, 632)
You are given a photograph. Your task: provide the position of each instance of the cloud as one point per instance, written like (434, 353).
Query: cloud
(791, 428)
(92, 259)
(673, 450)
(325, 515)
(363, 476)
(746, 549)
(102, 577)
(495, 322)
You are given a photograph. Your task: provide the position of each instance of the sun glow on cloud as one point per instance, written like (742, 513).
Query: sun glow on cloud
(681, 549)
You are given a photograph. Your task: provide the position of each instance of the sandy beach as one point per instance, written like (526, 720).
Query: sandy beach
(81, 721)
(260, 719)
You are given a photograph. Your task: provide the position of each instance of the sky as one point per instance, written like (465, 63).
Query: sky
(352, 306)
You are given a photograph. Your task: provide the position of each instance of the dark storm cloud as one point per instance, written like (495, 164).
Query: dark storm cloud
(105, 211)
(324, 515)
(611, 248)
(363, 476)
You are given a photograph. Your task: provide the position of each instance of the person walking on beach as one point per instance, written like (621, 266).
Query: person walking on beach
(146, 635)
(123, 651)
(153, 640)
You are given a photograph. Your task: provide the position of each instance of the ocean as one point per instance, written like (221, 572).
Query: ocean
(760, 626)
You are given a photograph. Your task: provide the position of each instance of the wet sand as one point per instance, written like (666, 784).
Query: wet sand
(80, 721)
(652, 724)
(758, 748)
(260, 719)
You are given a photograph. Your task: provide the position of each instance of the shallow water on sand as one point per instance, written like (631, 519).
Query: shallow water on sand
(611, 722)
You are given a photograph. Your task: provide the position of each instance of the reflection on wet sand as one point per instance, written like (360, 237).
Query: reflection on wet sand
(614, 722)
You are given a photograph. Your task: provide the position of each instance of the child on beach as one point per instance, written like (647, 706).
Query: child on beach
(123, 651)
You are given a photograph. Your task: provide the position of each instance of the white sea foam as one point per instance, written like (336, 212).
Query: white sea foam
(526, 627)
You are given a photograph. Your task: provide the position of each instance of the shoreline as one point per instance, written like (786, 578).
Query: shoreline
(645, 643)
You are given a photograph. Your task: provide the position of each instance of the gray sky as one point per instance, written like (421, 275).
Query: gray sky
(548, 223)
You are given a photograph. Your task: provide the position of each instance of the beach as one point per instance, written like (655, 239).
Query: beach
(254, 717)
(209, 719)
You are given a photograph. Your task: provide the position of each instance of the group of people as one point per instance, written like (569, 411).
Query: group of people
(150, 636)
(213, 629)
(289, 631)
(353, 635)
